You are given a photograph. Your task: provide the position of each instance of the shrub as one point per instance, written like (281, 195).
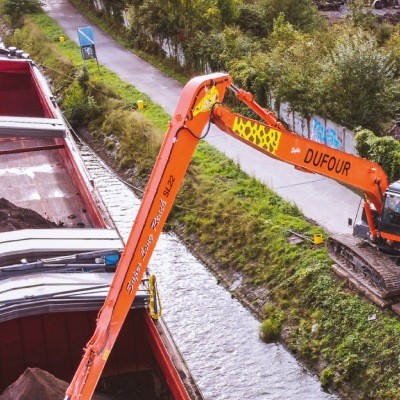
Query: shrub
(383, 150)
(109, 144)
(358, 69)
(15, 9)
(79, 107)
(270, 328)
(327, 377)
(139, 139)
(58, 67)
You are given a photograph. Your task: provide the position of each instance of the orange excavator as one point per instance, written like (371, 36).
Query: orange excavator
(200, 105)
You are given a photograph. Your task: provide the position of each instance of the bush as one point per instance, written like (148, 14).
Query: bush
(358, 69)
(270, 329)
(383, 150)
(109, 144)
(15, 9)
(58, 67)
(327, 377)
(79, 107)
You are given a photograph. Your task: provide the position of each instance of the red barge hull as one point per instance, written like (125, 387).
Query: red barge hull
(53, 281)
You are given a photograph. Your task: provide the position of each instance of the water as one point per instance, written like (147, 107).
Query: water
(217, 336)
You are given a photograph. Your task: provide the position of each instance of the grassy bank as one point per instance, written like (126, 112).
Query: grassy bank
(239, 224)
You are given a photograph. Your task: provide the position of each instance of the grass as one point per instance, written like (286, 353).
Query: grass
(104, 79)
(243, 225)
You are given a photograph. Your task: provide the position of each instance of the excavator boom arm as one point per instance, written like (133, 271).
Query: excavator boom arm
(305, 154)
(200, 104)
(193, 113)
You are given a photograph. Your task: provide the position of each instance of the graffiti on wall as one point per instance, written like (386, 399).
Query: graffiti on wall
(327, 135)
(317, 128)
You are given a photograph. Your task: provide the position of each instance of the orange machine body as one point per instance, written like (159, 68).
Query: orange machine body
(199, 105)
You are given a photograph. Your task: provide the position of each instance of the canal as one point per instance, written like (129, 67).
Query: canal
(216, 335)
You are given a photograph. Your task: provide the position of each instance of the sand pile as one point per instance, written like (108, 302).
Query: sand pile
(13, 218)
(36, 384)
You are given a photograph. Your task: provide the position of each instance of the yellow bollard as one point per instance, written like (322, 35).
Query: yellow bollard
(61, 39)
(140, 104)
(318, 239)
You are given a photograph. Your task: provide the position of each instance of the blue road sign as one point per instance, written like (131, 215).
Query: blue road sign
(86, 36)
(86, 41)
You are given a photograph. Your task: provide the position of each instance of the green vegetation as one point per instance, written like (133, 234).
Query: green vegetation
(383, 150)
(327, 377)
(239, 222)
(15, 9)
(347, 72)
(114, 28)
(270, 329)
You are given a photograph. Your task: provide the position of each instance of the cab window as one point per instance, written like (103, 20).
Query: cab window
(391, 211)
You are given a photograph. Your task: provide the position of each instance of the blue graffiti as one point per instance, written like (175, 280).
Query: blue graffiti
(324, 135)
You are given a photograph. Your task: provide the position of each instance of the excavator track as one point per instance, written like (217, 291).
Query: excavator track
(371, 272)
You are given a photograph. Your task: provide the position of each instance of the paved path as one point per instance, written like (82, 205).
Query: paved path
(323, 200)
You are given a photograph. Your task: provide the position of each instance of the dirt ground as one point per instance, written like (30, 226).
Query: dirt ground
(35, 384)
(13, 218)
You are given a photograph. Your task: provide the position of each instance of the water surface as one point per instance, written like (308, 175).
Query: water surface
(217, 336)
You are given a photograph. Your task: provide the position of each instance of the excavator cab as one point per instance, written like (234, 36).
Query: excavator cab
(390, 221)
(387, 222)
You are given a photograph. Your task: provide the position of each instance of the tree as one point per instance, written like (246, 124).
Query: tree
(229, 10)
(392, 46)
(252, 20)
(303, 15)
(357, 85)
(258, 17)
(114, 9)
(293, 66)
(229, 46)
(178, 24)
(383, 150)
(251, 73)
(360, 15)
(15, 9)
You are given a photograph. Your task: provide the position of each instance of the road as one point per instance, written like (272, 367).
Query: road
(324, 201)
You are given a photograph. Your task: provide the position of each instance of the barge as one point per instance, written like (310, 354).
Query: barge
(59, 250)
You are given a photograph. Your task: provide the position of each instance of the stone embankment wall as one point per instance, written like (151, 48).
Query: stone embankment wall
(318, 129)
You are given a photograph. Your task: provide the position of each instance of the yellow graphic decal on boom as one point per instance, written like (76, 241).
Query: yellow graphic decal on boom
(261, 136)
(106, 354)
(205, 104)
